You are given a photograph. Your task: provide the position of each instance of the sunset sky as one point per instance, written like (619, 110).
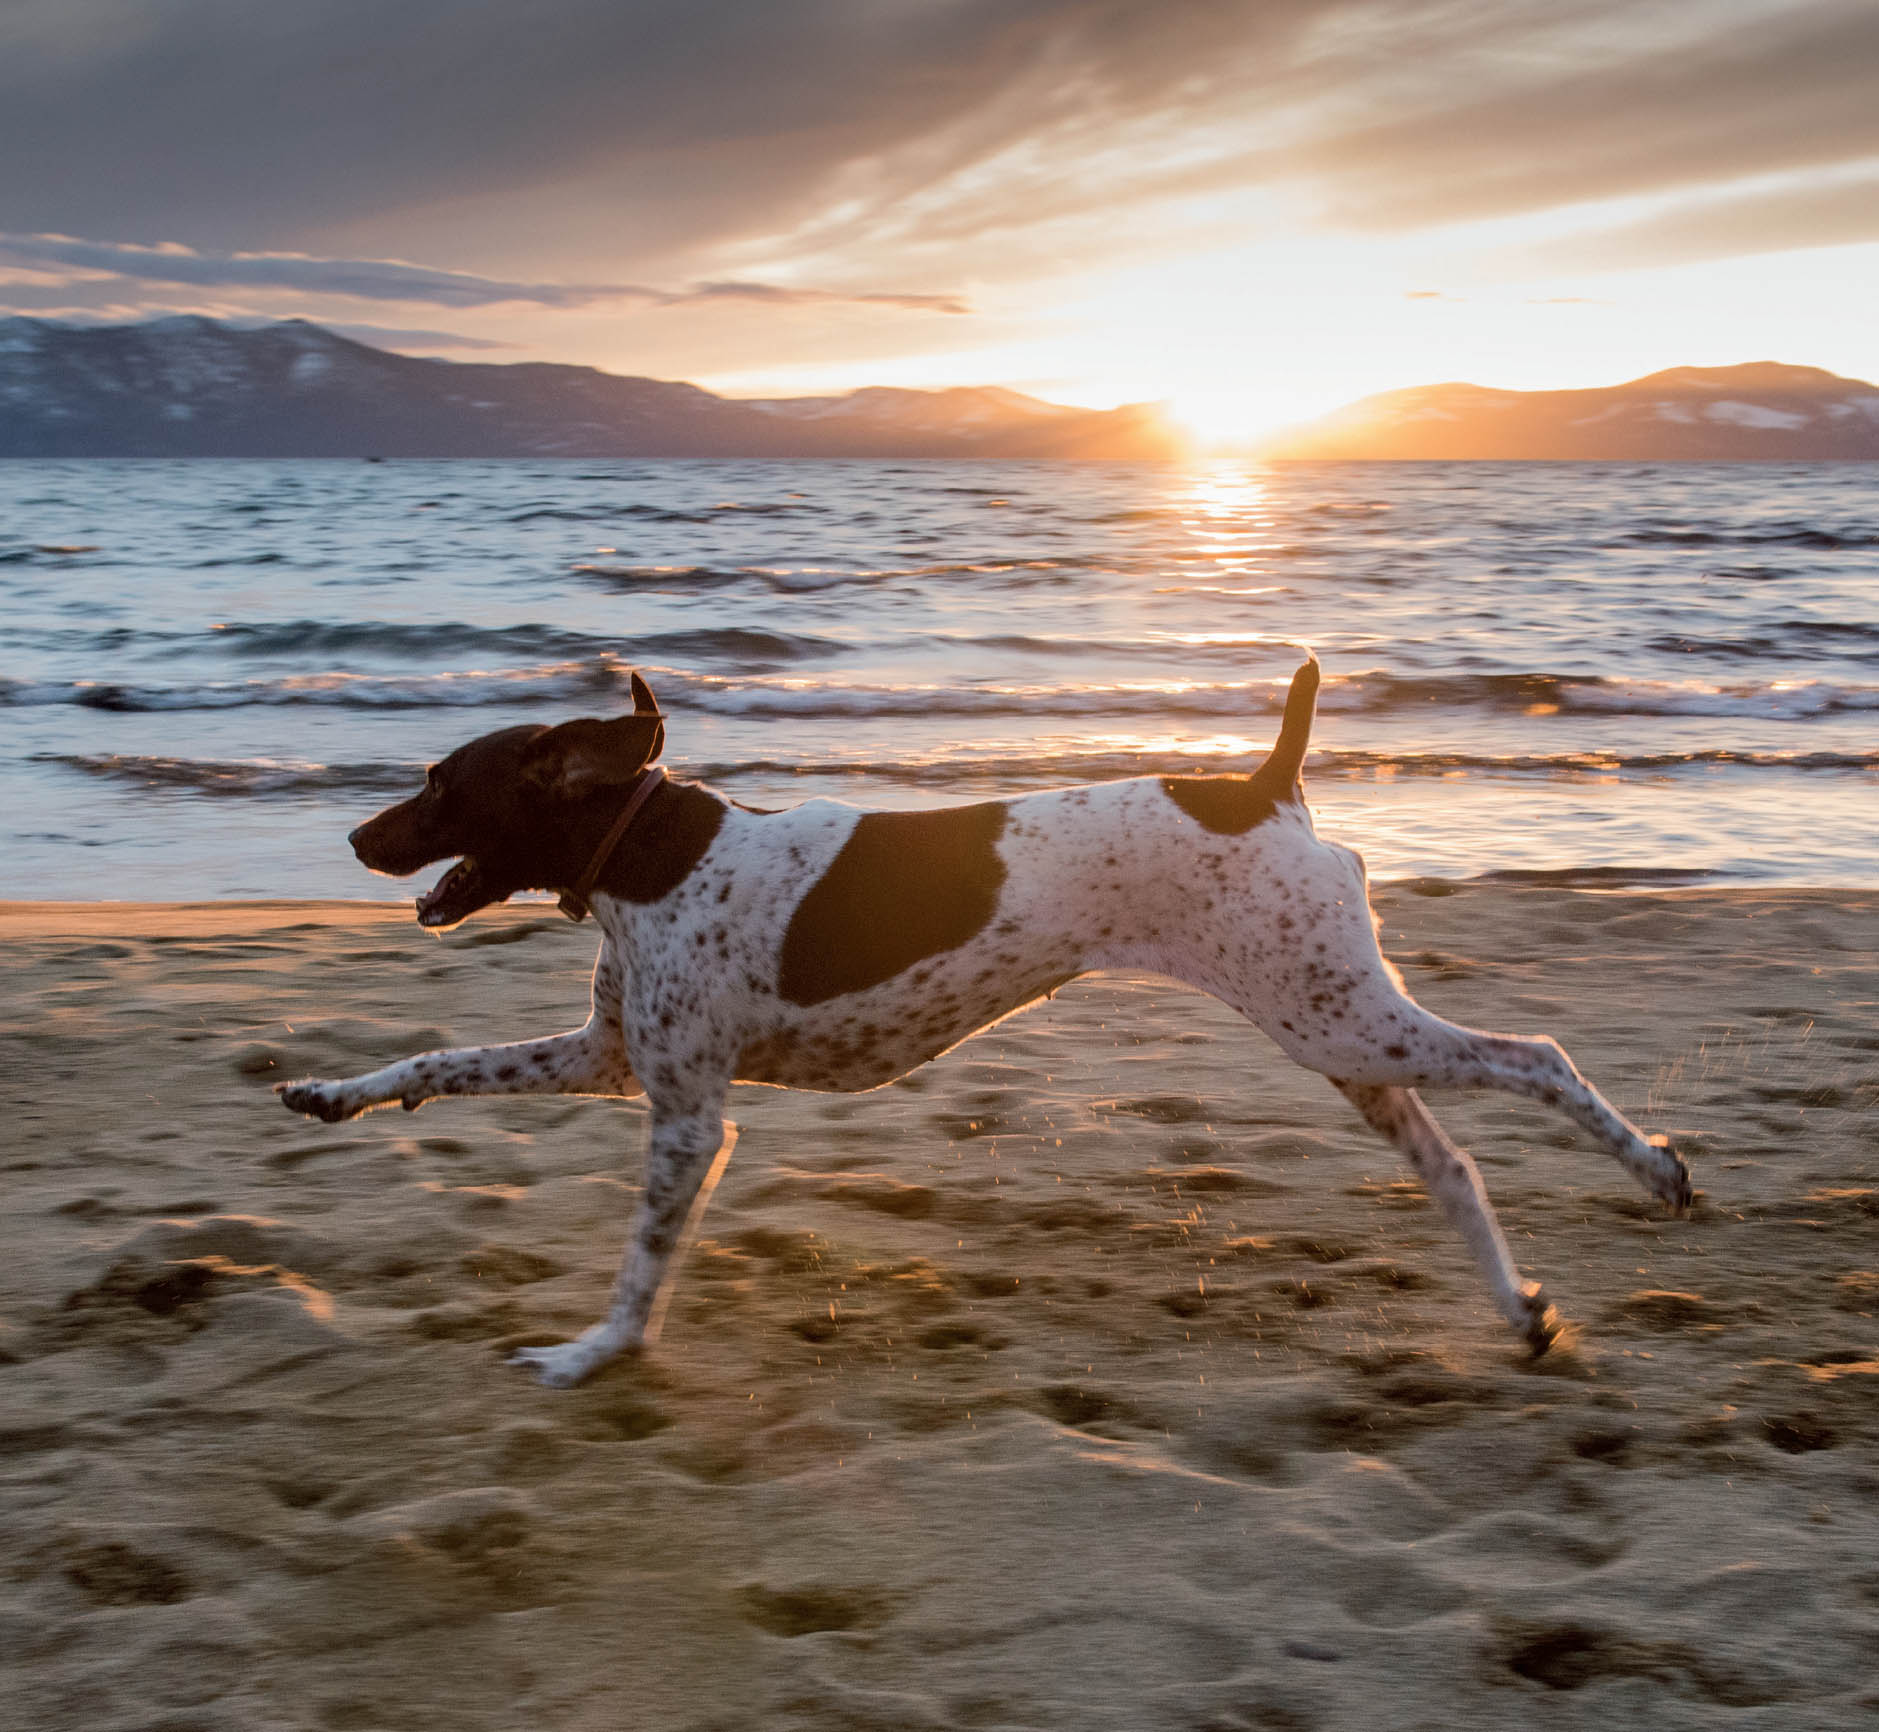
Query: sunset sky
(1256, 211)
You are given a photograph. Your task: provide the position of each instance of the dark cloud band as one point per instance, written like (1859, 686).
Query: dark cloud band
(659, 134)
(391, 280)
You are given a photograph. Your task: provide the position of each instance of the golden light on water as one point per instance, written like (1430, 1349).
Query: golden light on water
(1226, 514)
(1150, 746)
(1220, 639)
(1223, 492)
(1221, 589)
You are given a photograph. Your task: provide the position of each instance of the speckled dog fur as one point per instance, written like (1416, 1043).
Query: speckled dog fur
(827, 948)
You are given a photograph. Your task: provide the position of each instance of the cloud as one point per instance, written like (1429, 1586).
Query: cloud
(606, 141)
(773, 294)
(686, 120)
(392, 280)
(360, 279)
(1841, 212)
(1790, 89)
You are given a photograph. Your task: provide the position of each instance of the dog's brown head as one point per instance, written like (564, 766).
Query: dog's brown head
(521, 809)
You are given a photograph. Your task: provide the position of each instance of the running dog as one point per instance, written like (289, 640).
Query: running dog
(825, 947)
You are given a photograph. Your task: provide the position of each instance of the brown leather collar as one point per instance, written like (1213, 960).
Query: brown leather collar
(574, 902)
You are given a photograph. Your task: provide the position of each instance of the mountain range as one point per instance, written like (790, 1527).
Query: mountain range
(193, 387)
(1760, 411)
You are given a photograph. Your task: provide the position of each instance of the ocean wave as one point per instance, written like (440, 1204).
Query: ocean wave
(632, 578)
(561, 682)
(1786, 534)
(1778, 701)
(1069, 766)
(1776, 639)
(271, 778)
(605, 513)
(1373, 693)
(593, 679)
(311, 637)
(61, 552)
(305, 638)
(1837, 639)
(1338, 761)
(241, 778)
(1599, 877)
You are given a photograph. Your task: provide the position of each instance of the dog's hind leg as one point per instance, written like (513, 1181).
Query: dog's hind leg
(1340, 1009)
(1349, 1018)
(687, 1155)
(1455, 1183)
(1537, 1067)
(1413, 1048)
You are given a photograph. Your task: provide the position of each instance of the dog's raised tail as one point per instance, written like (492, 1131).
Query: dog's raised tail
(1280, 770)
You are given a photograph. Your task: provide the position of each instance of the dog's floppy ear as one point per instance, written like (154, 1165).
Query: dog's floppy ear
(583, 756)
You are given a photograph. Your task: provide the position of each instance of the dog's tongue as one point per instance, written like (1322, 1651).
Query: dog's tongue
(433, 905)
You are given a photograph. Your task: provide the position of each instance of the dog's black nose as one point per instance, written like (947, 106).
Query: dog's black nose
(352, 837)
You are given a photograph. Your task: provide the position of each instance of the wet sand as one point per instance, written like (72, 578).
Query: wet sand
(1107, 1374)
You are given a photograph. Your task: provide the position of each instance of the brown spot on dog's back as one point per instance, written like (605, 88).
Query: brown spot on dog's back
(906, 885)
(1226, 805)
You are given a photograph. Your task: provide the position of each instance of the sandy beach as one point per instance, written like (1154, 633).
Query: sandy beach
(1105, 1374)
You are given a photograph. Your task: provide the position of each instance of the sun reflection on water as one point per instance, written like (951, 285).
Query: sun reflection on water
(1227, 513)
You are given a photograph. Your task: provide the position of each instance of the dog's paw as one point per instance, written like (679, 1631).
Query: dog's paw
(560, 1367)
(1670, 1178)
(1542, 1325)
(318, 1100)
(567, 1363)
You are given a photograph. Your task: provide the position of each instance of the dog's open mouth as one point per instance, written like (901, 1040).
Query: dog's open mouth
(456, 895)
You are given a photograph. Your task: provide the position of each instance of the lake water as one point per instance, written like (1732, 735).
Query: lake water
(209, 671)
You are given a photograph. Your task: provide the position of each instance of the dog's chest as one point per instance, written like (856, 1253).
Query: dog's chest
(700, 965)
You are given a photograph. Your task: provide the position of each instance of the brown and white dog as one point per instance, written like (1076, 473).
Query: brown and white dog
(828, 948)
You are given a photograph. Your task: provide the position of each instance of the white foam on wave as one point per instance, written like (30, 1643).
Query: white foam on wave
(1352, 694)
(1781, 701)
(597, 680)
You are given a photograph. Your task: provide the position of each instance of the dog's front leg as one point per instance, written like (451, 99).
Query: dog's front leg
(686, 1156)
(590, 1060)
(587, 1061)
(1455, 1183)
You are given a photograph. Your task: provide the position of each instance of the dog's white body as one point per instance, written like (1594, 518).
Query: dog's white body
(727, 978)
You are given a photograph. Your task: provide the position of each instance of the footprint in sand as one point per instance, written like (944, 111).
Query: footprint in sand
(110, 1573)
(807, 1611)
